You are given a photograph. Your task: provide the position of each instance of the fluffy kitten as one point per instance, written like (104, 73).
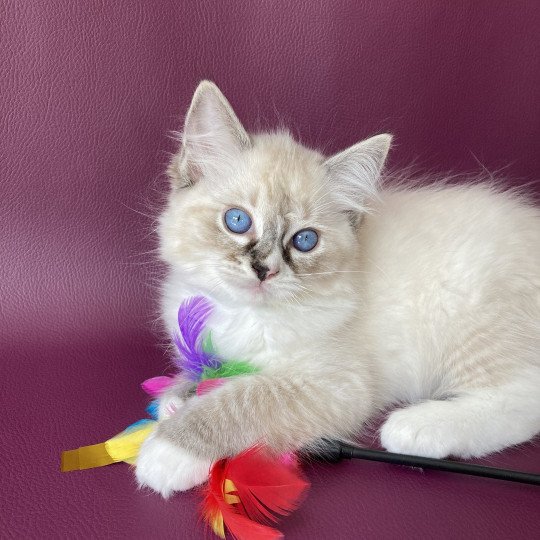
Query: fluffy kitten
(425, 297)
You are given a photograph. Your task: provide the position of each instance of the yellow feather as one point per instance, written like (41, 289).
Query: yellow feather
(125, 446)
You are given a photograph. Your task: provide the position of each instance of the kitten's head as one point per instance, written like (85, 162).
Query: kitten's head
(263, 219)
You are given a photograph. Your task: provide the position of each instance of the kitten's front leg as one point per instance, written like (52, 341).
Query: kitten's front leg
(166, 468)
(161, 465)
(283, 412)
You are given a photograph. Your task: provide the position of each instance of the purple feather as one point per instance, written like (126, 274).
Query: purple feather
(193, 315)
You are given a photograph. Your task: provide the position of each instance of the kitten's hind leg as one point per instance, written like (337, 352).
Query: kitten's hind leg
(471, 424)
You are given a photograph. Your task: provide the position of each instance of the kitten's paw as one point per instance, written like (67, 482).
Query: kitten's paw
(166, 468)
(418, 430)
(168, 405)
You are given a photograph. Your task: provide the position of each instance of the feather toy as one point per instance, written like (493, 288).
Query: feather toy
(245, 494)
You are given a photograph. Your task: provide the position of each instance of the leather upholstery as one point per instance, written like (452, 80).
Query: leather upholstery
(88, 93)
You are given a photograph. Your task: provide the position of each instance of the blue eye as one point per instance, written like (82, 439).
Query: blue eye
(305, 240)
(237, 221)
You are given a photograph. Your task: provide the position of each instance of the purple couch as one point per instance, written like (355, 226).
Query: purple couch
(88, 93)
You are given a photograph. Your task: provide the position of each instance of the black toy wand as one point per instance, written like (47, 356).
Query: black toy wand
(334, 451)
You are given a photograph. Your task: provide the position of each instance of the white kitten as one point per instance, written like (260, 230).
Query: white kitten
(348, 297)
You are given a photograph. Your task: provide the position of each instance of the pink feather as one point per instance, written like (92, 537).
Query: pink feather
(157, 385)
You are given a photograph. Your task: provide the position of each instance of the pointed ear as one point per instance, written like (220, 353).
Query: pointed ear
(212, 137)
(355, 172)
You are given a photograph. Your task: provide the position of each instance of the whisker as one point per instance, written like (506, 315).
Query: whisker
(334, 272)
(153, 218)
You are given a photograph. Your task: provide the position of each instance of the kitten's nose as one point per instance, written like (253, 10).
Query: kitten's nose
(262, 271)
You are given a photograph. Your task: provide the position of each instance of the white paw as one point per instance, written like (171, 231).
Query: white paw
(166, 468)
(421, 432)
(168, 405)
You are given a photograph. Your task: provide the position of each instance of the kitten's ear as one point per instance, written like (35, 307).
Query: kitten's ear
(355, 172)
(212, 137)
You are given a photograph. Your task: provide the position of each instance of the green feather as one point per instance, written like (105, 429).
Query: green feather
(230, 368)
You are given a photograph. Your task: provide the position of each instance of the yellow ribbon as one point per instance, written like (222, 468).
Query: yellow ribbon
(122, 447)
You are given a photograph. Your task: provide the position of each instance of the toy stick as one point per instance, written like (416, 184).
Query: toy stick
(335, 451)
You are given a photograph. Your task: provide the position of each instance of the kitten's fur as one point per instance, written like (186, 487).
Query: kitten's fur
(427, 297)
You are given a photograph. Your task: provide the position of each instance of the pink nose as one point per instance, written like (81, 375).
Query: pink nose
(263, 272)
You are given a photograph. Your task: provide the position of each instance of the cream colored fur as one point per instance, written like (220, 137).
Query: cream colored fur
(428, 298)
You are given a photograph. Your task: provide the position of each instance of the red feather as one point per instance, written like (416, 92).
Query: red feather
(267, 488)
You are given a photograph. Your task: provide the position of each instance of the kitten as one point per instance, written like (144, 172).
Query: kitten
(348, 297)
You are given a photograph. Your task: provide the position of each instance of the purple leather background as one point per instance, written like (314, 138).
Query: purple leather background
(87, 94)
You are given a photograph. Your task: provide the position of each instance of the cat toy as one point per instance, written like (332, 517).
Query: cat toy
(245, 494)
